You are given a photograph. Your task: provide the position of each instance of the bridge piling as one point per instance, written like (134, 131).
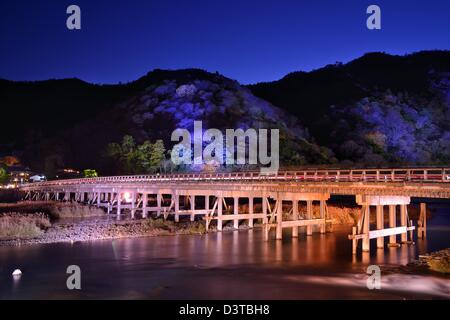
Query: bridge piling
(392, 224)
(323, 209)
(363, 231)
(219, 212)
(133, 204)
(422, 223)
(250, 211)
(403, 222)
(309, 209)
(119, 204)
(279, 218)
(380, 225)
(295, 217)
(366, 228)
(144, 204)
(236, 212)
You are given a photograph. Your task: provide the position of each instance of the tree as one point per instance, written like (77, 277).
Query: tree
(90, 173)
(4, 176)
(157, 154)
(143, 153)
(133, 158)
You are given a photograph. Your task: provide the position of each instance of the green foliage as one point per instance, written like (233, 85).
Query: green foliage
(90, 173)
(4, 176)
(137, 158)
(157, 154)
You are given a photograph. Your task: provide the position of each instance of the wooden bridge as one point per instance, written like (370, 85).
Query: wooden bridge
(272, 199)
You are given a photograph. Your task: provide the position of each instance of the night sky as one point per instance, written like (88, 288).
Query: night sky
(248, 40)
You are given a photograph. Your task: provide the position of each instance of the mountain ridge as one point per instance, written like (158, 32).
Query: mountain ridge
(54, 117)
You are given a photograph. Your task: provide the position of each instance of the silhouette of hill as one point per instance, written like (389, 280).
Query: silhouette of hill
(375, 110)
(310, 95)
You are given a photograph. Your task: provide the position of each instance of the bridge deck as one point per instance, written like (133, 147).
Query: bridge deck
(413, 182)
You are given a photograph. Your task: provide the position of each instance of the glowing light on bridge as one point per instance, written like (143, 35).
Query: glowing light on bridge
(127, 197)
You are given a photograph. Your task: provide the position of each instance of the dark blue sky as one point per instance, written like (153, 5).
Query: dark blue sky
(248, 40)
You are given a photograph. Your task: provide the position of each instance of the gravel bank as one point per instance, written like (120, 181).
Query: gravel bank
(99, 229)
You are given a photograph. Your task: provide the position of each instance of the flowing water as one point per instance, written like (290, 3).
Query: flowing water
(228, 265)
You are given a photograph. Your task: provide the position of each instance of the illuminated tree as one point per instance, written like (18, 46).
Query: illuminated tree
(90, 173)
(132, 158)
(4, 176)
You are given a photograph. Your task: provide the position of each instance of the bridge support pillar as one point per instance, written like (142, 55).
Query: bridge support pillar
(308, 220)
(363, 230)
(366, 228)
(235, 212)
(403, 221)
(422, 223)
(309, 216)
(279, 213)
(323, 227)
(295, 217)
(264, 208)
(219, 212)
(159, 203)
(176, 200)
(380, 225)
(250, 211)
(207, 204)
(192, 200)
(119, 204)
(133, 204)
(144, 204)
(392, 224)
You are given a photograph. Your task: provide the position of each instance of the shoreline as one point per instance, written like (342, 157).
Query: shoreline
(93, 229)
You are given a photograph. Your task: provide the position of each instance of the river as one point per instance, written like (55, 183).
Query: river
(228, 265)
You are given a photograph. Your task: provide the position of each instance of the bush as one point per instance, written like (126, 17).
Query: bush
(22, 226)
(74, 210)
(55, 210)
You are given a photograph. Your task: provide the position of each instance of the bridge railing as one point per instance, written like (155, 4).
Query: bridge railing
(321, 175)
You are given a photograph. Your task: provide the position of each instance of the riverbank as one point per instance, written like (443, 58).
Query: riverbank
(90, 229)
(435, 263)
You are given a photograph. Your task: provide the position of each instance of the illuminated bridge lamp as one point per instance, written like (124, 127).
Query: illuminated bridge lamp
(127, 197)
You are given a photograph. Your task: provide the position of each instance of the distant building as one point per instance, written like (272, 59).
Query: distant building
(37, 178)
(68, 173)
(18, 175)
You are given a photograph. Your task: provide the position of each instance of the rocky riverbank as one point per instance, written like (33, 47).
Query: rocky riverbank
(436, 263)
(75, 230)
